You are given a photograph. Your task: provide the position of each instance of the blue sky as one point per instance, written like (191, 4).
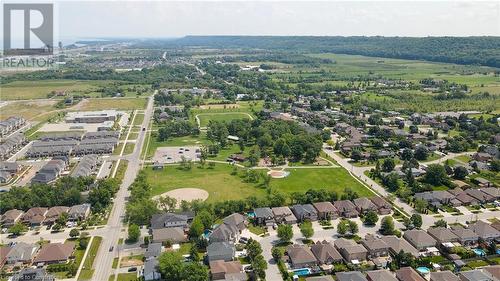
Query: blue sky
(93, 19)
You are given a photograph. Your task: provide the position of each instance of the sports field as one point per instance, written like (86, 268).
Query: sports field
(221, 185)
(223, 116)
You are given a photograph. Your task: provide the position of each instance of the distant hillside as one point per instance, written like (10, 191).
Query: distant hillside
(461, 50)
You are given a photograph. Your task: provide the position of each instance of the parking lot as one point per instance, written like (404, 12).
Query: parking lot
(168, 155)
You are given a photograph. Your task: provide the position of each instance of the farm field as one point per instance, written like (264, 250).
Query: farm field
(40, 89)
(228, 116)
(30, 110)
(221, 185)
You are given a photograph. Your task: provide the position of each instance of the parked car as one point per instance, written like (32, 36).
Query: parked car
(111, 248)
(132, 269)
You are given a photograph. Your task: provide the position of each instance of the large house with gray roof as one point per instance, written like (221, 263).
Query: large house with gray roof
(305, 212)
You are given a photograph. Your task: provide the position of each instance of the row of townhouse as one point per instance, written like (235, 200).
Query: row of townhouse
(320, 211)
(51, 170)
(41, 215)
(459, 197)
(11, 124)
(11, 145)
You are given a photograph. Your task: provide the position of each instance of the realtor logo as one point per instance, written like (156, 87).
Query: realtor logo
(44, 31)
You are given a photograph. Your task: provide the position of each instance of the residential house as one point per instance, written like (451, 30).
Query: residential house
(4, 251)
(397, 245)
(419, 239)
(479, 195)
(346, 209)
(408, 274)
(150, 270)
(492, 191)
(435, 198)
(264, 216)
(444, 276)
(466, 236)
(485, 231)
(54, 213)
(225, 233)
(166, 220)
(320, 278)
(5, 177)
(220, 251)
(350, 250)
(284, 215)
(32, 274)
(35, 216)
(10, 167)
(376, 247)
(236, 220)
(482, 182)
(10, 217)
(326, 210)
(55, 253)
(153, 251)
(383, 207)
(466, 200)
(482, 157)
(79, 212)
(172, 234)
(326, 253)
(227, 270)
(380, 275)
(22, 253)
(364, 205)
(300, 256)
(476, 275)
(50, 171)
(305, 212)
(493, 270)
(442, 234)
(350, 276)
(85, 167)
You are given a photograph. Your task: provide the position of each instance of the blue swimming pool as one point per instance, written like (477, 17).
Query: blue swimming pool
(206, 233)
(302, 272)
(479, 252)
(251, 214)
(423, 270)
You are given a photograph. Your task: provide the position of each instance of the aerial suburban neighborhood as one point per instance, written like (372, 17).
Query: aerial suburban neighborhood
(253, 158)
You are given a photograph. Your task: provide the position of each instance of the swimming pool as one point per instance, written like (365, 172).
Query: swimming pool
(302, 271)
(251, 215)
(423, 270)
(479, 252)
(206, 233)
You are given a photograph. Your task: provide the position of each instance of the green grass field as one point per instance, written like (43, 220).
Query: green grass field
(228, 116)
(87, 270)
(40, 89)
(111, 103)
(30, 110)
(138, 119)
(221, 185)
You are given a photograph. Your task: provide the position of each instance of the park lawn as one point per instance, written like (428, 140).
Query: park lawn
(477, 263)
(225, 116)
(464, 158)
(87, 270)
(112, 103)
(334, 179)
(40, 89)
(138, 119)
(127, 276)
(224, 153)
(218, 182)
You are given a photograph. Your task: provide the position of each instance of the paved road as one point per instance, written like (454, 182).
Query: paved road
(104, 259)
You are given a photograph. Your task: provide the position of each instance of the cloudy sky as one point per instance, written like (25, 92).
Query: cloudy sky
(93, 19)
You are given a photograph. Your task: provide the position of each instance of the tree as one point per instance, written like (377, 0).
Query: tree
(134, 232)
(206, 218)
(83, 243)
(276, 253)
(253, 249)
(170, 265)
(421, 153)
(193, 253)
(421, 205)
(353, 227)
(167, 203)
(440, 223)
(194, 271)
(342, 227)
(196, 229)
(74, 233)
(370, 218)
(56, 227)
(436, 175)
(416, 220)
(388, 165)
(387, 226)
(259, 266)
(306, 229)
(285, 232)
(460, 172)
(17, 229)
